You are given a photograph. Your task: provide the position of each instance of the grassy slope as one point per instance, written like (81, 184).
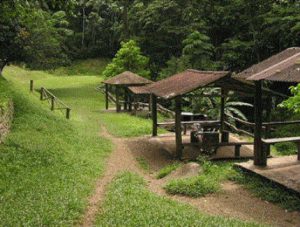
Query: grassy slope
(129, 203)
(49, 164)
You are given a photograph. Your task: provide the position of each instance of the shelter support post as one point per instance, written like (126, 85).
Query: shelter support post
(260, 158)
(125, 98)
(224, 135)
(118, 99)
(178, 130)
(268, 128)
(150, 101)
(129, 102)
(106, 96)
(154, 115)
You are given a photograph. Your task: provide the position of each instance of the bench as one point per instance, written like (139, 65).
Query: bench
(237, 146)
(272, 141)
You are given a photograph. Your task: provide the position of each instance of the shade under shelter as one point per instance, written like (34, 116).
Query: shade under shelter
(282, 67)
(122, 82)
(178, 85)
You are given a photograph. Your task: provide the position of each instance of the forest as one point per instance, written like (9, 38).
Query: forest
(172, 34)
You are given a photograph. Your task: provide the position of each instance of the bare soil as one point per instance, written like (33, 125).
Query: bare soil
(233, 201)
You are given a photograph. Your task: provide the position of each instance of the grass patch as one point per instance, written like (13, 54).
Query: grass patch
(125, 125)
(208, 182)
(48, 164)
(143, 163)
(167, 170)
(268, 191)
(129, 203)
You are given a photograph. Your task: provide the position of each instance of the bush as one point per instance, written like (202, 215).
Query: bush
(195, 187)
(128, 58)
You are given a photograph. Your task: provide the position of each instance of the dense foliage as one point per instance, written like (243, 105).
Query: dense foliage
(175, 34)
(293, 103)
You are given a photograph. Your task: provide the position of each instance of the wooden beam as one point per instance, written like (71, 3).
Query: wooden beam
(125, 98)
(106, 97)
(268, 128)
(178, 131)
(150, 101)
(224, 136)
(154, 115)
(130, 102)
(118, 107)
(260, 158)
(31, 85)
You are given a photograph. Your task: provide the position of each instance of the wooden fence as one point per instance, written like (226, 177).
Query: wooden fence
(55, 103)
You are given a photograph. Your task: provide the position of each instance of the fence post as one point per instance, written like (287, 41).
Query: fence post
(68, 110)
(31, 85)
(52, 103)
(42, 93)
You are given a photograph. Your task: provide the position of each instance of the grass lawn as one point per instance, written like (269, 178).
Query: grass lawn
(129, 203)
(49, 164)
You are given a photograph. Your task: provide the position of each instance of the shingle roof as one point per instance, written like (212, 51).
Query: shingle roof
(284, 67)
(185, 82)
(127, 78)
(139, 90)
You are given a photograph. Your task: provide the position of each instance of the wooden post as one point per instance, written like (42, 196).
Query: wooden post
(224, 136)
(52, 103)
(298, 146)
(150, 101)
(154, 115)
(118, 107)
(106, 97)
(125, 98)
(178, 131)
(68, 110)
(31, 85)
(260, 158)
(42, 94)
(268, 128)
(130, 102)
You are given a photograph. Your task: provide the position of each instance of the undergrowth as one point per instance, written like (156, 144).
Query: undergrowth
(268, 191)
(207, 182)
(167, 170)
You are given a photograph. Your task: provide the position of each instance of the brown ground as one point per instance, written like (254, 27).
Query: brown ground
(233, 201)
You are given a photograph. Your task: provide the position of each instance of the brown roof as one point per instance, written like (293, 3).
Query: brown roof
(284, 67)
(185, 82)
(139, 90)
(127, 78)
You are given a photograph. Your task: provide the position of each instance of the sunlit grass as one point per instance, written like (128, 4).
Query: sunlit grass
(129, 203)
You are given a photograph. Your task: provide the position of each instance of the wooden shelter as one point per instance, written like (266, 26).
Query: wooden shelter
(282, 67)
(179, 85)
(122, 82)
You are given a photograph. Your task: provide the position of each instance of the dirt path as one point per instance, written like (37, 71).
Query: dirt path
(234, 201)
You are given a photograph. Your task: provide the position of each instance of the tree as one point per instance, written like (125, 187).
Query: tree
(128, 58)
(199, 50)
(32, 35)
